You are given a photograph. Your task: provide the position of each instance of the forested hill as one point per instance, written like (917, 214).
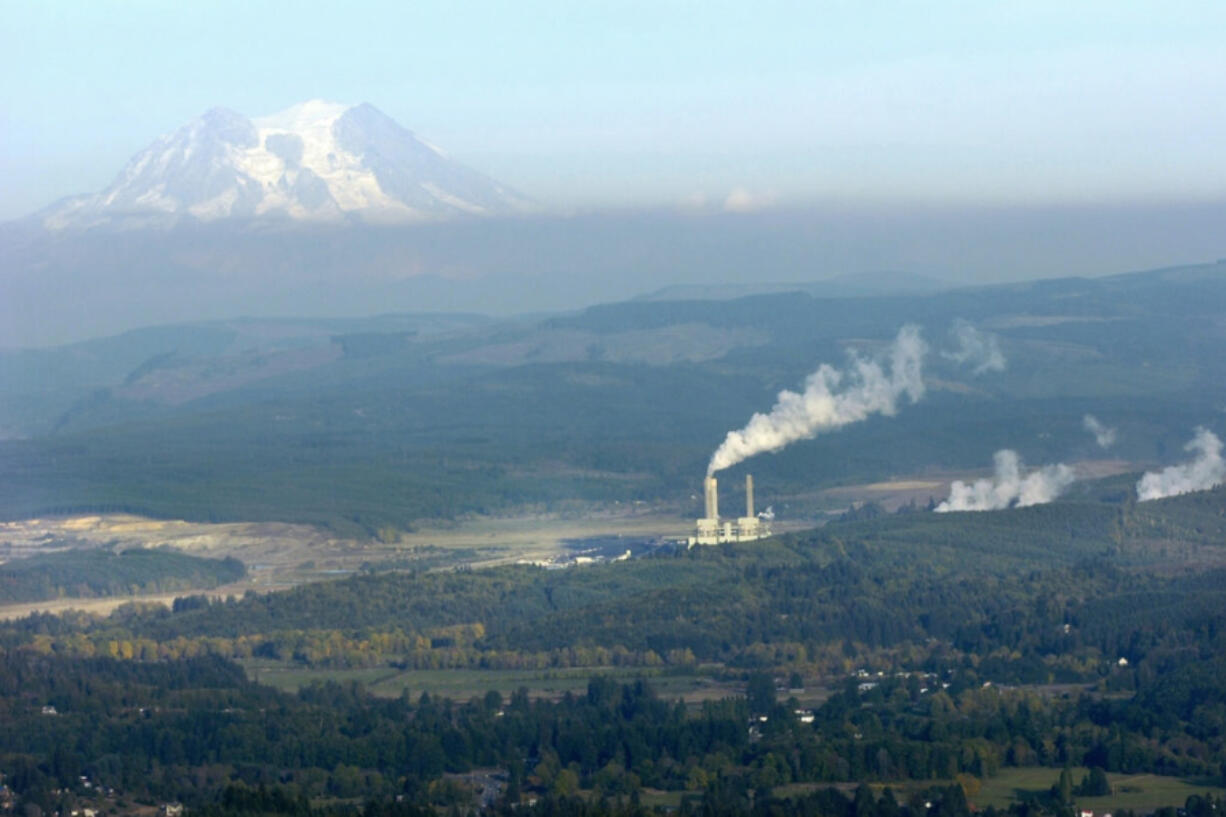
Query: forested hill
(974, 582)
(87, 573)
(389, 421)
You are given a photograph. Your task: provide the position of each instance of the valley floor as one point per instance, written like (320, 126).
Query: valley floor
(280, 555)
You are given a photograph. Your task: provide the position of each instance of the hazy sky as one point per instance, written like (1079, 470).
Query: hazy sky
(626, 103)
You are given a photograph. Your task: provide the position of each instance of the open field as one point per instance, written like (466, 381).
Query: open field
(104, 606)
(890, 495)
(1138, 792)
(269, 546)
(1142, 793)
(282, 547)
(692, 686)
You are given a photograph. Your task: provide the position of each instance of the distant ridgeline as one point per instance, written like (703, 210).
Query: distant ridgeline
(361, 424)
(89, 573)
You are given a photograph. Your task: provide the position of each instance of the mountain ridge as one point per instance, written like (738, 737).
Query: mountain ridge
(846, 285)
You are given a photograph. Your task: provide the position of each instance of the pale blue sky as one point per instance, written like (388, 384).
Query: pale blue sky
(631, 103)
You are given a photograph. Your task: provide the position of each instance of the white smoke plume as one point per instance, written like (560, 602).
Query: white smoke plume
(979, 349)
(831, 399)
(1206, 470)
(767, 515)
(1008, 488)
(1103, 435)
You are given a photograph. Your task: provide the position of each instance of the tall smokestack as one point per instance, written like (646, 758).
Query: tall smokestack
(712, 497)
(749, 496)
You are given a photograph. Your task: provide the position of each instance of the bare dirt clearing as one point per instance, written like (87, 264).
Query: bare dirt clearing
(279, 555)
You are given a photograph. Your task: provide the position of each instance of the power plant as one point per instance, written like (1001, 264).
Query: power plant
(711, 531)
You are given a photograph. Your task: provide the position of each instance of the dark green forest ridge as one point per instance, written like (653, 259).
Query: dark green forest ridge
(358, 425)
(100, 572)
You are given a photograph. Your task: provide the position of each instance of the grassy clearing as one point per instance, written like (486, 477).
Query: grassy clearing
(466, 684)
(1138, 792)
(1142, 793)
(657, 798)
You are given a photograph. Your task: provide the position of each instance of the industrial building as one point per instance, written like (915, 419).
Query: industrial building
(712, 531)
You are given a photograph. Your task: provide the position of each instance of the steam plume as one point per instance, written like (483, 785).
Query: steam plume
(1008, 488)
(1103, 435)
(1206, 470)
(831, 399)
(979, 349)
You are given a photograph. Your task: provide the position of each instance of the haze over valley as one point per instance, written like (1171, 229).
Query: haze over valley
(328, 210)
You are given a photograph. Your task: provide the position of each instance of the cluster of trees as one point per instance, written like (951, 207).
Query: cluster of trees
(334, 648)
(344, 649)
(101, 572)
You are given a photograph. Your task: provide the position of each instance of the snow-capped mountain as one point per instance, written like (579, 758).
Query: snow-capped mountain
(316, 161)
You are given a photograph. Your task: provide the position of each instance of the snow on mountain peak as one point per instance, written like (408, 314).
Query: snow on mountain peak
(314, 161)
